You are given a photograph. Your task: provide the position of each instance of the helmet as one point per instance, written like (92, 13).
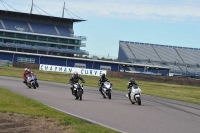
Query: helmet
(28, 70)
(75, 74)
(132, 80)
(103, 75)
(25, 69)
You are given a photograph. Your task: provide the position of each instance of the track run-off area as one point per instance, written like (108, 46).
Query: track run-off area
(155, 115)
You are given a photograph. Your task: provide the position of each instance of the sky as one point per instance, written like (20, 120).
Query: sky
(165, 22)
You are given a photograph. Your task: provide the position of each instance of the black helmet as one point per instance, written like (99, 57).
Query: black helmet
(75, 74)
(132, 80)
(103, 75)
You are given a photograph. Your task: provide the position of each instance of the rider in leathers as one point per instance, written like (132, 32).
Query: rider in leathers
(25, 74)
(102, 80)
(74, 79)
(130, 84)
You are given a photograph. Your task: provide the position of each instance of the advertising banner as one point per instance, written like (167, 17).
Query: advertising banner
(82, 71)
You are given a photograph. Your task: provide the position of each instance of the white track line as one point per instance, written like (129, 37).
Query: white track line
(88, 120)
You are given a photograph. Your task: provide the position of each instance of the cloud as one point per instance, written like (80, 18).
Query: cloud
(179, 10)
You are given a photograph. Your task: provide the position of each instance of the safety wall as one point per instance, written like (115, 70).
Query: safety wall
(155, 78)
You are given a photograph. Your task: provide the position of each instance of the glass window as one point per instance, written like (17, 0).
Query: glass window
(63, 40)
(42, 38)
(1, 33)
(23, 36)
(7, 34)
(28, 60)
(77, 42)
(31, 37)
(51, 39)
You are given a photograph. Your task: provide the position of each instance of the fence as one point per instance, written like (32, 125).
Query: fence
(4, 62)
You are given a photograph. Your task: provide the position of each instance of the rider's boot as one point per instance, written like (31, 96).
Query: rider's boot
(129, 94)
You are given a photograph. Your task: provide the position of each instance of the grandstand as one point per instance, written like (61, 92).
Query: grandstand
(40, 34)
(180, 60)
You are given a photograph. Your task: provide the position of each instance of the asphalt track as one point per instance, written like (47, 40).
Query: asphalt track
(155, 115)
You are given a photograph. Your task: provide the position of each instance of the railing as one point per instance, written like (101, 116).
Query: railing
(83, 38)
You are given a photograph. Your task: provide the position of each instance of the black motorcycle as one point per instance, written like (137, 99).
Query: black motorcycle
(78, 90)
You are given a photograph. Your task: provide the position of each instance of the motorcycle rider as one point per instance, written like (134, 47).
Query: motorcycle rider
(74, 79)
(25, 73)
(130, 84)
(102, 80)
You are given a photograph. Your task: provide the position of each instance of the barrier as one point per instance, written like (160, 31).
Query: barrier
(4, 62)
(155, 78)
(26, 65)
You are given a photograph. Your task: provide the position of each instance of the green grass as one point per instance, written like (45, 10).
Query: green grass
(171, 91)
(14, 103)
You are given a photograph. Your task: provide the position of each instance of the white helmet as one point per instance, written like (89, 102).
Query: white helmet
(26, 69)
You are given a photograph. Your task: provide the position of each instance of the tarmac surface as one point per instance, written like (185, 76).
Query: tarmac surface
(155, 115)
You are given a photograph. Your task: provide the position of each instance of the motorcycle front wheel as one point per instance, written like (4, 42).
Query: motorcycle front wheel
(131, 100)
(138, 100)
(80, 94)
(109, 94)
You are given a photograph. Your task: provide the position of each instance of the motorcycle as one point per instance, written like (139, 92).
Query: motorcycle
(78, 91)
(106, 89)
(36, 82)
(31, 82)
(135, 95)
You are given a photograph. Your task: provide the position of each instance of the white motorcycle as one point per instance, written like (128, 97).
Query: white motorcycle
(106, 89)
(31, 82)
(135, 95)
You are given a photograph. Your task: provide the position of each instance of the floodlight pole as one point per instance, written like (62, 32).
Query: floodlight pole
(31, 7)
(63, 10)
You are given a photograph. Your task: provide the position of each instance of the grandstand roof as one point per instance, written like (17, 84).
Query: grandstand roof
(129, 42)
(36, 16)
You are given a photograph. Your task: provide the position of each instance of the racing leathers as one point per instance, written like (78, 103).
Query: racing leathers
(101, 81)
(129, 86)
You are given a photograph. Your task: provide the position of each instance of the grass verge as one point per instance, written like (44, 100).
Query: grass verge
(14, 103)
(184, 93)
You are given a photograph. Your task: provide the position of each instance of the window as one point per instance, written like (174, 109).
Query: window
(1, 33)
(23, 36)
(42, 38)
(28, 60)
(31, 37)
(8, 34)
(105, 67)
(80, 65)
(51, 39)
